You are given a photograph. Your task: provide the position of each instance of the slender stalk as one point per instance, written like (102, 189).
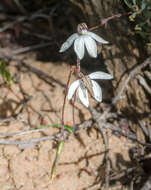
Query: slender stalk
(78, 65)
(66, 91)
(77, 73)
(73, 111)
(64, 102)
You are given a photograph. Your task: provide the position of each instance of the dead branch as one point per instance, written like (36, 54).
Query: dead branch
(41, 74)
(21, 19)
(24, 132)
(144, 84)
(31, 48)
(56, 136)
(106, 142)
(31, 141)
(131, 75)
(122, 173)
(12, 119)
(146, 130)
(11, 24)
(106, 20)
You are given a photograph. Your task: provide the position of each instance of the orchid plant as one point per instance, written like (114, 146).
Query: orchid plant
(83, 38)
(85, 84)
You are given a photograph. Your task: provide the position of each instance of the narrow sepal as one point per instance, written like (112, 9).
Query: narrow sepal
(90, 45)
(97, 91)
(72, 89)
(79, 47)
(100, 75)
(97, 38)
(67, 44)
(83, 95)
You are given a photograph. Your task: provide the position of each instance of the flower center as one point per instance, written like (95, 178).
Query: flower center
(83, 87)
(82, 28)
(85, 83)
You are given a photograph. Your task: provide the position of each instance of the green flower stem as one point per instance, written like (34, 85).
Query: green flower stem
(59, 151)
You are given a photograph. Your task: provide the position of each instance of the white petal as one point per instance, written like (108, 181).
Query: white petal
(83, 95)
(90, 45)
(72, 89)
(97, 38)
(79, 47)
(97, 91)
(68, 42)
(100, 75)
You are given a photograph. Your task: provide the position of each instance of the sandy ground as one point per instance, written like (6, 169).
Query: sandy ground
(29, 168)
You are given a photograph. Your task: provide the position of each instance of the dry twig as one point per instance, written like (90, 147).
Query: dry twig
(106, 20)
(31, 48)
(144, 84)
(41, 74)
(86, 124)
(131, 75)
(106, 142)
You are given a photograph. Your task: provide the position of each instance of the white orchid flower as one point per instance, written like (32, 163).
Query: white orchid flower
(83, 38)
(87, 84)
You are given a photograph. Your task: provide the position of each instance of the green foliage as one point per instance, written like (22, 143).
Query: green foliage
(141, 16)
(59, 151)
(60, 146)
(5, 74)
(58, 125)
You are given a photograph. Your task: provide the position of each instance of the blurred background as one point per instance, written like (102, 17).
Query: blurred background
(35, 30)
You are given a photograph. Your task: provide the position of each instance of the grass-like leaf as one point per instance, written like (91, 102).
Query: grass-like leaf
(5, 74)
(59, 151)
(58, 125)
